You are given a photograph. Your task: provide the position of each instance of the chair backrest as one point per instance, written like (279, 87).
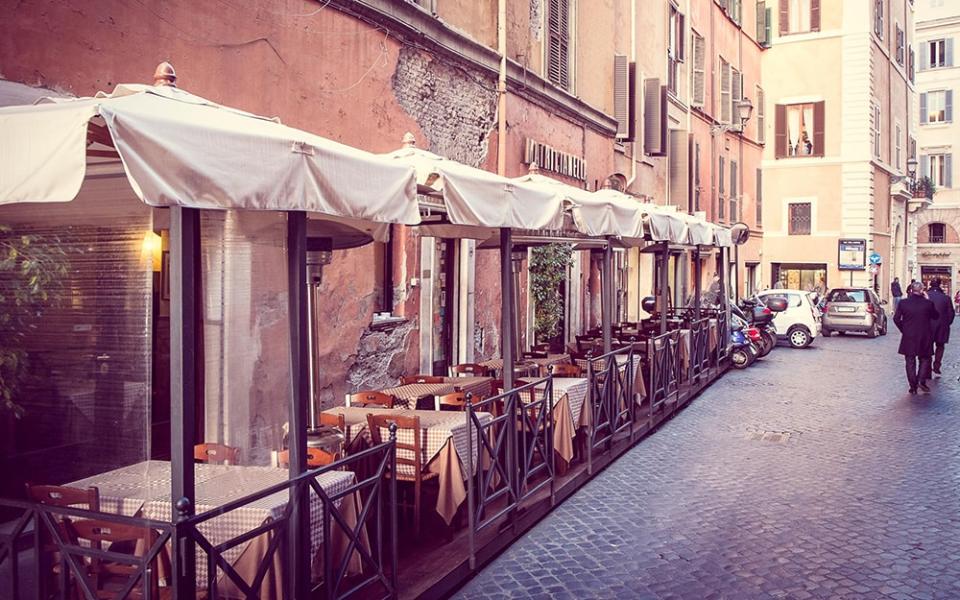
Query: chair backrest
(216, 454)
(471, 369)
(411, 443)
(103, 533)
(565, 370)
(59, 495)
(540, 348)
(456, 400)
(371, 399)
(316, 457)
(533, 354)
(408, 379)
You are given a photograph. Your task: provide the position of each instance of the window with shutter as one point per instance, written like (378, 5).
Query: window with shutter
(675, 49)
(678, 169)
(736, 94)
(878, 15)
(900, 45)
(800, 220)
(698, 95)
(721, 171)
(876, 131)
(654, 117)
(911, 67)
(558, 43)
(762, 38)
(761, 116)
(936, 106)
(936, 54)
(621, 95)
(733, 182)
(724, 91)
(759, 212)
(936, 233)
(898, 143)
(814, 15)
(696, 176)
(938, 167)
(799, 16)
(800, 130)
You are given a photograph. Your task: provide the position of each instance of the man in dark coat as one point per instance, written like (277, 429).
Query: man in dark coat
(941, 327)
(896, 291)
(914, 318)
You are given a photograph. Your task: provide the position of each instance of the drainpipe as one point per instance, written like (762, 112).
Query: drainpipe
(502, 88)
(633, 58)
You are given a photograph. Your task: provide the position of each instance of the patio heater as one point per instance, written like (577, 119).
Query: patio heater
(319, 254)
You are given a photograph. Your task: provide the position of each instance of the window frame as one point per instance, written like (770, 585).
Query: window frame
(568, 47)
(941, 238)
(791, 229)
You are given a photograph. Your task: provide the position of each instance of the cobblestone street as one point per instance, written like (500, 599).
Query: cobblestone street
(812, 474)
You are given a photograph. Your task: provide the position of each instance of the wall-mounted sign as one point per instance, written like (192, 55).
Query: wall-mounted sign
(548, 159)
(852, 255)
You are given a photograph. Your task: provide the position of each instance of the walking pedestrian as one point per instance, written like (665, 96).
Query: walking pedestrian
(896, 291)
(941, 327)
(914, 318)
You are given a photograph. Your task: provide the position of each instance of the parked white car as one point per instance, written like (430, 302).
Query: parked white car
(800, 323)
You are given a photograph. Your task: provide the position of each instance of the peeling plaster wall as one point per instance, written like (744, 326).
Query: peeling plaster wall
(455, 108)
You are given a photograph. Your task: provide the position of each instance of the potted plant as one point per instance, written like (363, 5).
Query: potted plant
(548, 270)
(924, 188)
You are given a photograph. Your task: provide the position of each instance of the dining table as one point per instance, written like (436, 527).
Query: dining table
(569, 396)
(446, 438)
(143, 490)
(409, 396)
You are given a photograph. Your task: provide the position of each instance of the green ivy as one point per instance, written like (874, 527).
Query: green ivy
(32, 269)
(548, 270)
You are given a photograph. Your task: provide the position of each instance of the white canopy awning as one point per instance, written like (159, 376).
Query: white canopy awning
(180, 149)
(659, 223)
(479, 198)
(699, 231)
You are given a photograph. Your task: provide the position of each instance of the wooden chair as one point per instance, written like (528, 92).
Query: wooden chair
(316, 458)
(338, 421)
(456, 401)
(470, 370)
(408, 379)
(365, 399)
(216, 454)
(533, 354)
(58, 495)
(565, 370)
(540, 348)
(106, 576)
(410, 467)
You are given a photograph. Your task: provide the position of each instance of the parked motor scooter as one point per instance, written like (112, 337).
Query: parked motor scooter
(754, 313)
(744, 353)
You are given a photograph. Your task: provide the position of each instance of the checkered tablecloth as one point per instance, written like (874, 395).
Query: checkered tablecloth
(574, 389)
(436, 428)
(520, 368)
(405, 395)
(143, 489)
(478, 386)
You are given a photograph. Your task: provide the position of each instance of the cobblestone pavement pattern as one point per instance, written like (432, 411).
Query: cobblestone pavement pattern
(861, 500)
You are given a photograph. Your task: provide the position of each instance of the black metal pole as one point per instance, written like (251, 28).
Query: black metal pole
(184, 249)
(606, 297)
(299, 539)
(736, 270)
(664, 286)
(506, 306)
(697, 275)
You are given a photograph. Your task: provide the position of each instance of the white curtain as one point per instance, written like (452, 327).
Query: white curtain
(793, 128)
(799, 16)
(808, 124)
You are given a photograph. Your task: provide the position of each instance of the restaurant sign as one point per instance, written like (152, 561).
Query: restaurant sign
(548, 159)
(852, 255)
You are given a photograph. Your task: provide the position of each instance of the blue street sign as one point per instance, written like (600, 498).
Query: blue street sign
(875, 259)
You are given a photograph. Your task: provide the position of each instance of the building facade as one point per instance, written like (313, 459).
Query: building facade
(937, 252)
(840, 132)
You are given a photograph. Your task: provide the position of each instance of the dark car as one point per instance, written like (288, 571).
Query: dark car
(854, 309)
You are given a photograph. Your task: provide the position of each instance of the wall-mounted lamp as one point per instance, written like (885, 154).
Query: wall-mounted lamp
(151, 250)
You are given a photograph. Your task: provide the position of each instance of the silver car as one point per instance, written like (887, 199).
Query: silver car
(854, 309)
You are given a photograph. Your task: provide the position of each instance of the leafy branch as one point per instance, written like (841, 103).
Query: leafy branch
(548, 270)
(32, 269)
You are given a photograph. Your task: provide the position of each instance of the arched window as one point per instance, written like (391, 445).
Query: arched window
(936, 233)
